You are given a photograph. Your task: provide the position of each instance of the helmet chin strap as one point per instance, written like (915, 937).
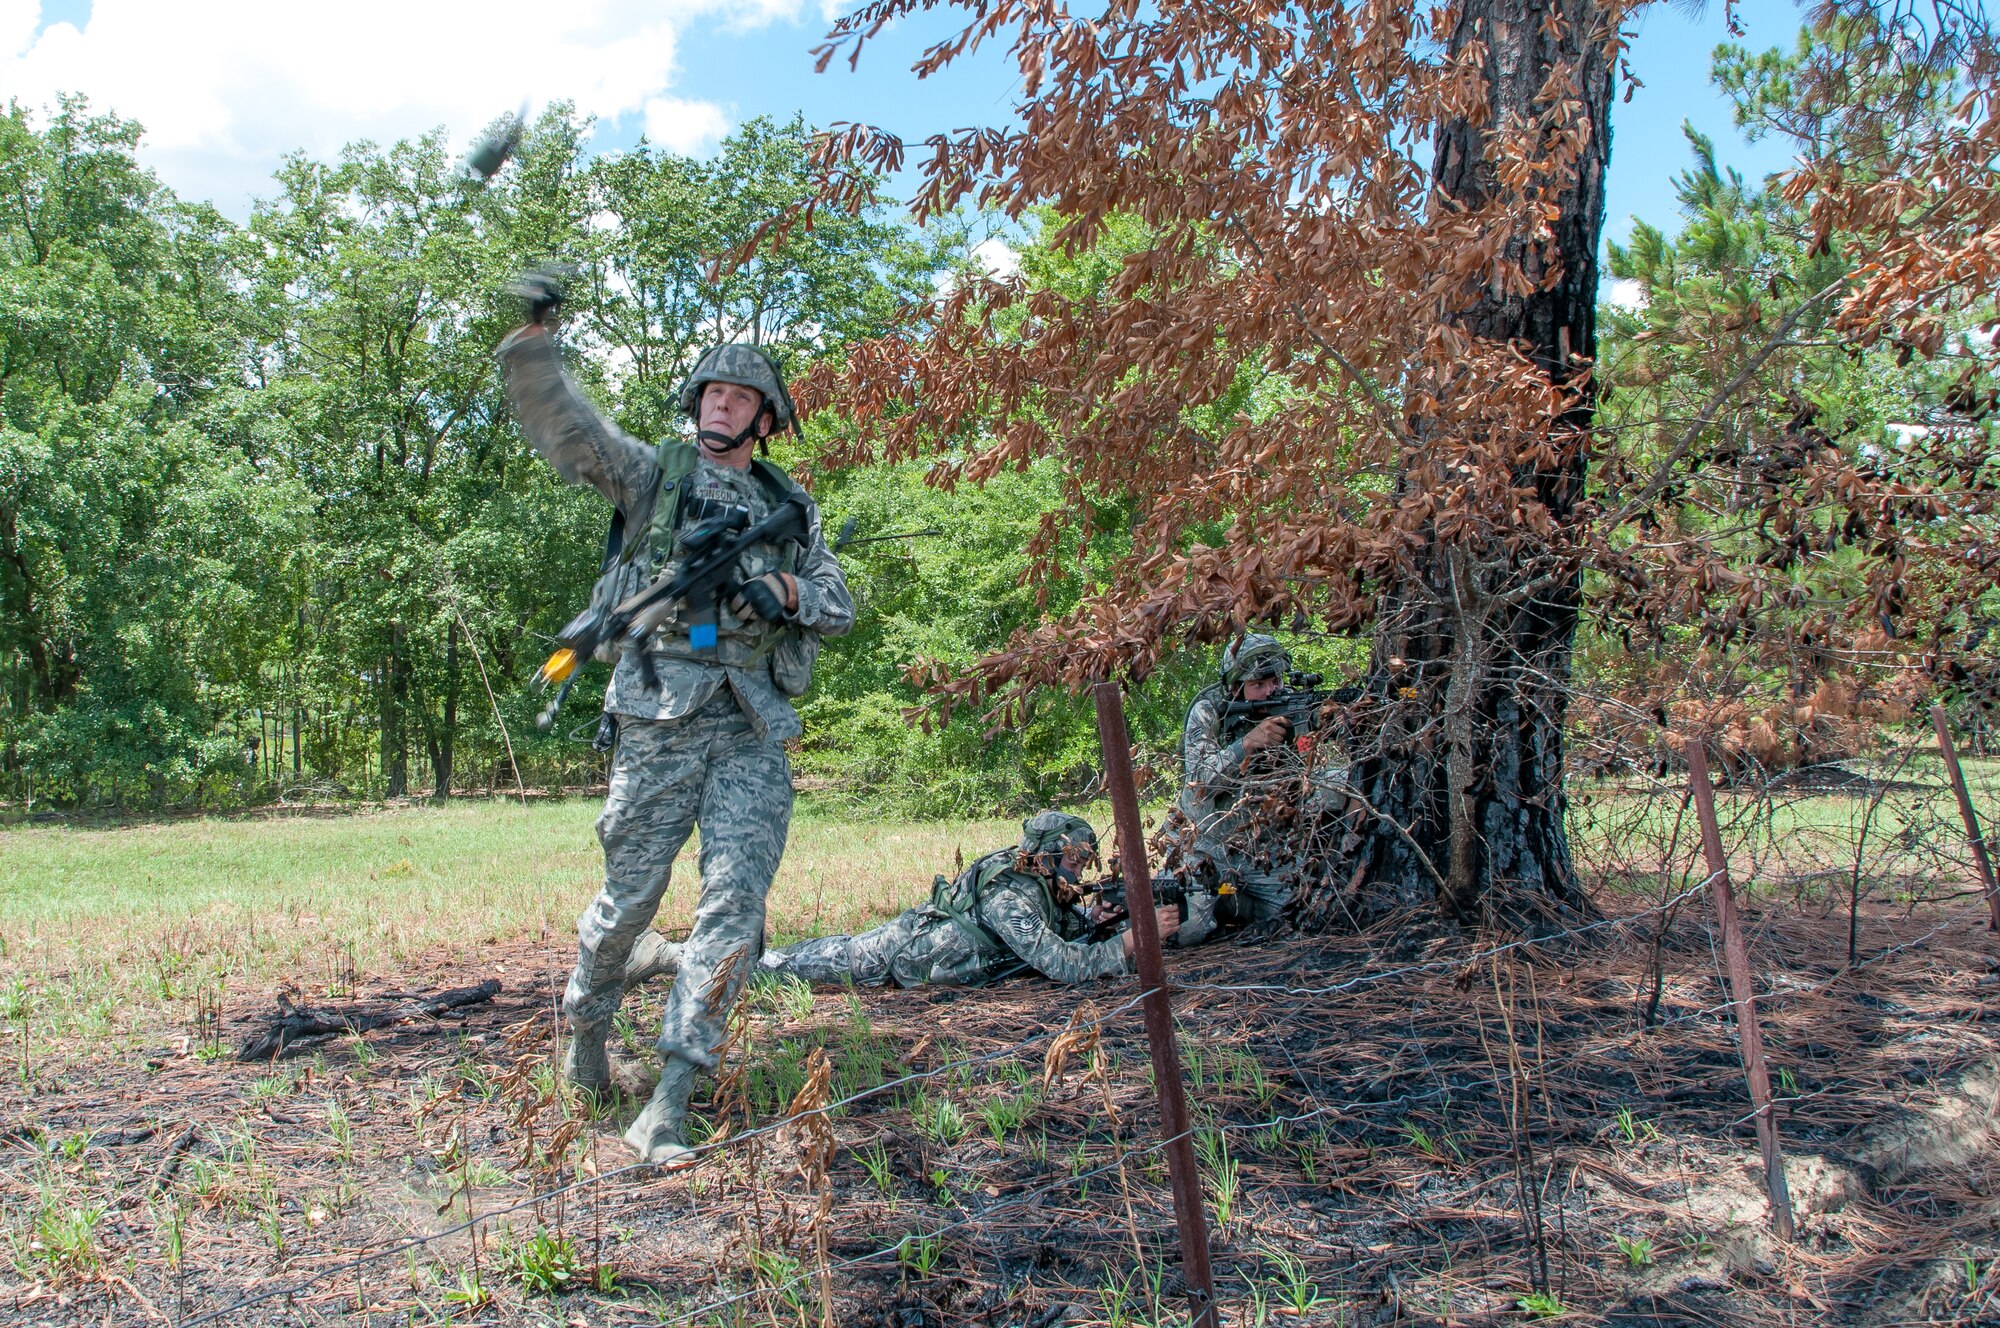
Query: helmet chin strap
(718, 444)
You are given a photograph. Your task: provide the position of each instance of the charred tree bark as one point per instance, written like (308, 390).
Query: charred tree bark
(1460, 761)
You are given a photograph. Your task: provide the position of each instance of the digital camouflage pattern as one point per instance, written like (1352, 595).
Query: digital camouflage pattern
(1255, 656)
(585, 448)
(1217, 783)
(745, 366)
(1018, 922)
(1052, 832)
(700, 739)
(710, 768)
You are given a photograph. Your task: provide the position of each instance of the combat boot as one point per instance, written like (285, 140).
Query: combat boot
(659, 1135)
(584, 1064)
(653, 955)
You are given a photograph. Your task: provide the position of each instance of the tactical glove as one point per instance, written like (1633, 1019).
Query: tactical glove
(541, 289)
(765, 598)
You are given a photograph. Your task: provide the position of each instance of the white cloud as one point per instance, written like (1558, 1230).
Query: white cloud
(998, 257)
(18, 20)
(226, 87)
(1626, 293)
(684, 126)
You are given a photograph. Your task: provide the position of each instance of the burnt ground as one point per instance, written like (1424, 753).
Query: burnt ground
(1364, 1150)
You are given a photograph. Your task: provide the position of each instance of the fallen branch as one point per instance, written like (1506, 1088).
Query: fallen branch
(297, 1026)
(171, 1163)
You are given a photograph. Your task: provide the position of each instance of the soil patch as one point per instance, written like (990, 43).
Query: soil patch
(1392, 1129)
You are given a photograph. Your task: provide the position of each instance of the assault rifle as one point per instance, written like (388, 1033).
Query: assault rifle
(1298, 703)
(1230, 906)
(705, 576)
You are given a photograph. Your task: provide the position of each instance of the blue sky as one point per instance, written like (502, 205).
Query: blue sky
(225, 87)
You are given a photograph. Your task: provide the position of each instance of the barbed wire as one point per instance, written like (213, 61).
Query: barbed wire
(1457, 961)
(1027, 1197)
(703, 1151)
(1768, 998)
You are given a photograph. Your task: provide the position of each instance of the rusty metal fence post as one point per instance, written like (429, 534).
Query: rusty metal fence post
(1965, 813)
(1189, 1217)
(1742, 993)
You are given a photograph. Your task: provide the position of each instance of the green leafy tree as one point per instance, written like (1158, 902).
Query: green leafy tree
(138, 555)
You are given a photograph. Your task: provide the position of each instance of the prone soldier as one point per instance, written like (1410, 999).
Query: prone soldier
(700, 695)
(1014, 910)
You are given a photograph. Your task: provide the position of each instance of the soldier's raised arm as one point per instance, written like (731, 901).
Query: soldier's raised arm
(562, 425)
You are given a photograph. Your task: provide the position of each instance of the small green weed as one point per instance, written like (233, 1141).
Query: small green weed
(1005, 1115)
(920, 1254)
(470, 1292)
(340, 1130)
(64, 1236)
(939, 1118)
(1638, 1250)
(16, 1000)
(1288, 1281)
(874, 1160)
(271, 1087)
(1634, 1130)
(1541, 1305)
(1432, 1146)
(784, 1275)
(1121, 1305)
(1223, 1173)
(547, 1262)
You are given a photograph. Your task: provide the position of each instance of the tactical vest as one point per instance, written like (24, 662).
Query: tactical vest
(958, 898)
(741, 644)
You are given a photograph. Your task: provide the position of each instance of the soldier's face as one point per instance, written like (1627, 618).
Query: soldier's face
(730, 407)
(1260, 689)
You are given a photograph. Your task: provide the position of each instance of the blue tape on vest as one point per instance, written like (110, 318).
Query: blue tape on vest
(702, 636)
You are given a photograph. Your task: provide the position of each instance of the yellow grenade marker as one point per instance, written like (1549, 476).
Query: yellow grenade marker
(559, 667)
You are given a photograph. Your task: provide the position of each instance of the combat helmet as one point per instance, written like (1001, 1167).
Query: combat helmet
(1255, 656)
(1053, 832)
(745, 366)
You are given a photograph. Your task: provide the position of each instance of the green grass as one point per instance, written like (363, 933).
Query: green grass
(103, 930)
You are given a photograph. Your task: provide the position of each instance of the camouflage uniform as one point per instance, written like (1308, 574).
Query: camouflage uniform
(995, 919)
(700, 734)
(1218, 779)
(1017, 923)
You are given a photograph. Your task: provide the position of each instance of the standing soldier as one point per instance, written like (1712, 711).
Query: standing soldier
(702, 710)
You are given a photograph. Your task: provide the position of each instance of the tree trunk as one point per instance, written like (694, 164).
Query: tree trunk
(1461, 780)
(444, 738)
(395, 694)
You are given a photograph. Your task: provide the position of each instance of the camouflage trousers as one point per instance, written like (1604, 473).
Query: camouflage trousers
(1266, 893)
(709, 770)
(864, 959)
